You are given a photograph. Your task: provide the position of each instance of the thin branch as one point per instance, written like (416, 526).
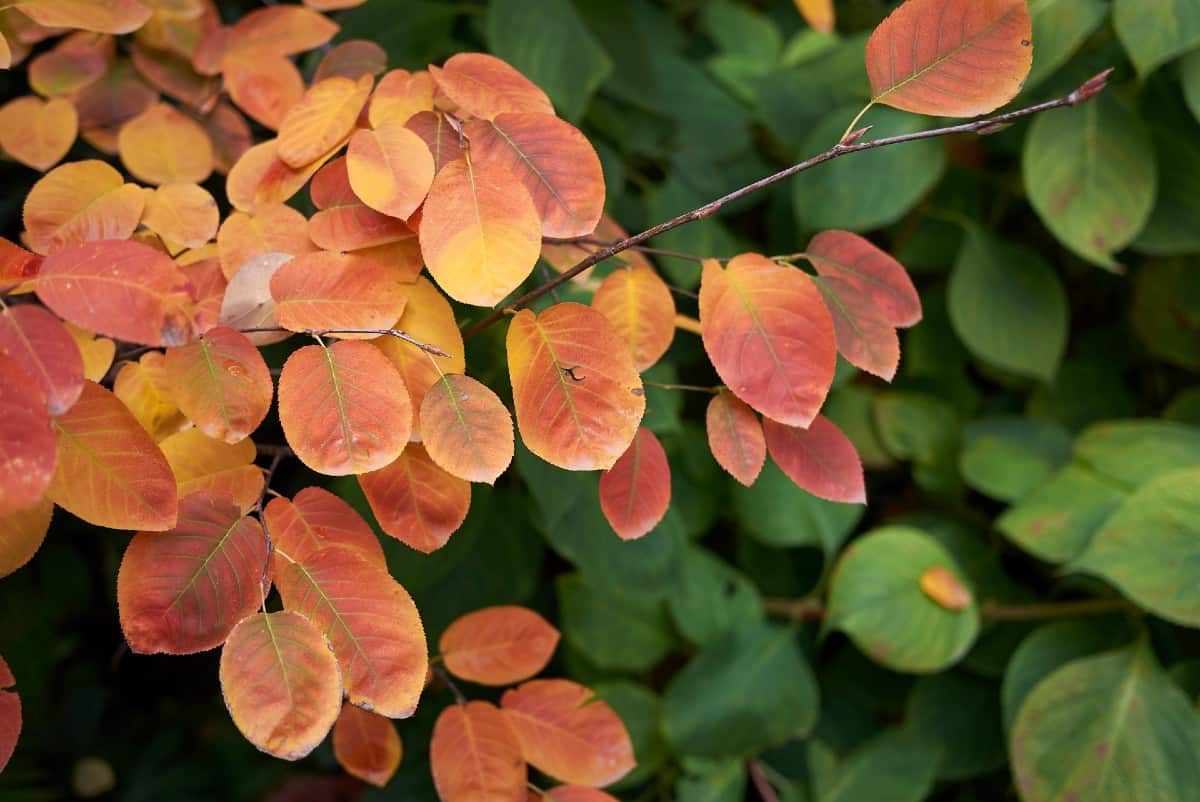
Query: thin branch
(397, 333)
(813, 610)
(848, 145)
(761, 784)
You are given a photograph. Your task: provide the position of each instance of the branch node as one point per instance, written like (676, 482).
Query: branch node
(1091, 87)
(855, 135)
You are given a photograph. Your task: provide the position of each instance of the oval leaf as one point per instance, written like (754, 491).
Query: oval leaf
(221, 383)
(38, 342)
(639, 305)
(78, 202)
(21, 535)
(484, 86)
(475, 756)
(366, 745)
(162, 145)
(315, 518)
(636, 492)
(272, 228)
(735, 437)
(864, 338)
(336, 292)
(820, 459)
(201, 463)
(429, 318)
(466, 429)
(869, 270)
(390, 169)
(415, 501)
(498, 645)
(323, 118)
(182, 214)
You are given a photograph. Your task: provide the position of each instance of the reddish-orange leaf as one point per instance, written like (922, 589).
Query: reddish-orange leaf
(735, 437)
(353, 59)
(38, 133)
(174, 76)
(109, 103)
(344, 409)
(207, 285)
(578, 793)
(480, 232)
(182, 214)
(820, 459)
(201, 463)
(466, 429)
(323, 118)
(636, 491)
(567, 733)
(40, 344)
(399, 95)
(369, 618)
(337, 292)
(221, 383)
(230, 135)
(248, 303)
(316, 518)
(639, 305)
(281, 683)
(498, 645)
(271, 228)
(344, 222)
(951, 58)
(144, 389)
(484, 86)
(366, 745)
(27, 441)
(261, 177)
(17, 265)
(263, 85)
(415, 501)
(869, 270)
(767, 331)
(554, 161)
(577, 393)
(111, 16)
(333, 5)
(439, 136)
(475, 756)
(941, 585)
(864, 338)
(109, 471)
(429, 318)
(98, 352)
(210, 49)
(10, 714)
(162, 145)
(184, 590)
(819, 14)
(80, 202)
(402, 258)
(123, 289)
(390, 169)
(21, 535)
(283, 29)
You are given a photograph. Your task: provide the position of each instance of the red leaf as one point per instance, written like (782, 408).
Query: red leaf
(864, 338)
(316, 518)
(415, 501)
(498, 645)
(636, 492)
(16, 263)
(819, 459)
(27, 441)
(41, 344)
(735, 437)
(871, 271)
(10, 715)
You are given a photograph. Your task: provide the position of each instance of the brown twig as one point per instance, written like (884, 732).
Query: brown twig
(761, 784)
(849, 144)
(397, 333)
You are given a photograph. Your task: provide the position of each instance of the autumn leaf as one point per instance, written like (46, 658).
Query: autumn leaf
(40, 343)
(97, 352)
(271, 228)
(399, 95)
(315, 518)
(466, 429)
(201, 463)
(639, 305)
(10, 714)
(864, 337)
(111, 16)
(182, 214)
(21, 535)
(390, 169)
(79, 202)
(260, 177)
(443, 141)
(820, 459)
(323, 117)
(366, 745)
(352, 59)
(428, 318)
(27, 441)
(337, 292)
(144, 389)
(16, 263)
(248, 303)
(498, 645)
(819, 14)
(162, 146)
(872, 272)
(484, 86)
(221, 383)
(474, 755)
(38, 133)
(636, 491)
(415, 501)
(343, 222)
(282, 29)
(263, 85)
(735, 437)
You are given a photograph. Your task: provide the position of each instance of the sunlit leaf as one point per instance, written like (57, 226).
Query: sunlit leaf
(38, 133)
(484, 86)
(323, 117)
(636, 492)
(578, 396)
(415, 501)
(97, 352)
(111, 16)
(399, 95)
(263, 85)
(183, 214)
(428, 318)
(498, 645)
(41, 344)
(21, 535)
(366, 745)
(466, 429)
(162, 145)
(201, 463)
(221, 383)
(639, 305)
(315, 518)
(78, 202)
(143, 387)
(475, 756)
(344, 222)
(27, 441)
(735, 437)
(281, 683)
(390, 168)
(260, 177)
(10, 715)
(820, 459)
(282, 29)
(439, 136)
(184, 590)
(271, 228)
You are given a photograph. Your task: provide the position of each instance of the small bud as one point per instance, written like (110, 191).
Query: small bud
(944, 588)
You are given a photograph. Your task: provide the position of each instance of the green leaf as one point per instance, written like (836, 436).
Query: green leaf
(958, 715)
(712, 781)
(709, 597)
(1059, 28)
(1110, 728)
(924, 429)
(1008, 306)
(1150, 548)
(1172, 227)
(711, 710)
(611, 629)
(894, 766)
(1085, 390)
(867, 190)
(1166, 311)
(1189, 74)
(1056, 521)
(776, 512)
(1133, 452)
(738, 30)
(422, 34)
(1091, 176)
(558, 53)
(1156, 31)
(852, 408)
(876, 599)
(641, 710)
(1007, 457)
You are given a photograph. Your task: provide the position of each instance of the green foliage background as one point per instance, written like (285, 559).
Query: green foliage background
(1042, 439)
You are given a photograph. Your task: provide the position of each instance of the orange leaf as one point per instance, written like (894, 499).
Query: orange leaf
(281, 683)
(221, 383)
(17, 264)
(475, 757)
(183, 214)
(636, 492)
(735, 437)
(498, 645)
(10, 714)
(399, 95)
(144, 389)
(439, 136)
(6, 60)
(344, 409)
(263, 85)
(820, 459)
(951, 58)
(415, 501)
(323, 117)
(333, 5)
(567, 733)
(123, 289)
(370, 620)
(366, 745)
(261, 177)
(466, 429)
(336, 292)
(316, 518)
(353, 59)
(769, 335)
(201, 463)
(98, 352)
(184, 590)
(282, 29)
(871, 271)
(248, 303)
(578, 396)
(554, 161)
(484, 86)
(639, 306)
(429, 318)
(578, 793)
(819, 14)
(21, 535)
(27, 447)
(390, 169)
(79, 202)
(344, 222)
(207, 285)
(271, 228)
(162, 146)
(38, 133)
(40, 344)
(864, 338)
(941, 585)
(111, 16)
(109, 471)
(479, 232)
